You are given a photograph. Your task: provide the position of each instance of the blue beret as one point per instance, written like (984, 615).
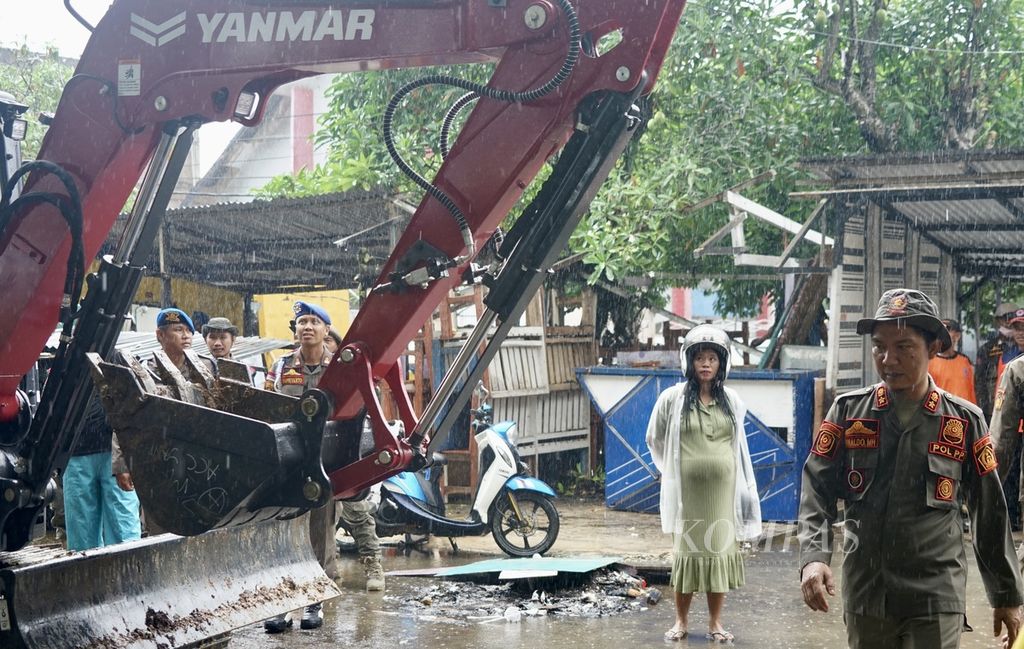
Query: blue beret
(305, 308)
(174, 316)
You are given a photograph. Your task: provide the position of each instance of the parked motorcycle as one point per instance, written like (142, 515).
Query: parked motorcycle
(515, 507)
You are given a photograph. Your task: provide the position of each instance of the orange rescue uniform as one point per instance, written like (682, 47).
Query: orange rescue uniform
(954, 375)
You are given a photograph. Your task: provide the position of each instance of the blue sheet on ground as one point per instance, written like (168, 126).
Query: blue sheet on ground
(543, 563)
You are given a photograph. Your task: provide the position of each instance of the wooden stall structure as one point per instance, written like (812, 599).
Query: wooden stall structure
(532, 379)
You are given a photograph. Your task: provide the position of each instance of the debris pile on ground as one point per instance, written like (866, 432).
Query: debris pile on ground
(607, 592)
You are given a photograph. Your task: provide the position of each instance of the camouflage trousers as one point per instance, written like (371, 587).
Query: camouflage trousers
(358, 518)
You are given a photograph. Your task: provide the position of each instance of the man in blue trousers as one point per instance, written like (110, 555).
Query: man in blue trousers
(100, 508)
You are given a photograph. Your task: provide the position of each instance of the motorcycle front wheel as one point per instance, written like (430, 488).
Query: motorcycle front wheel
(532, 530)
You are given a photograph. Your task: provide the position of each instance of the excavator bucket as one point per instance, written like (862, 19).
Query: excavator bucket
(207, 453)
(162, 591)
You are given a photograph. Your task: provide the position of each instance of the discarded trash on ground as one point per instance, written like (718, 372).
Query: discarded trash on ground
(574, 591)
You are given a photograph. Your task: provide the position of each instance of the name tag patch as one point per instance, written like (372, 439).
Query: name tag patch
(946, 450)
(861, 433)
(292, 377)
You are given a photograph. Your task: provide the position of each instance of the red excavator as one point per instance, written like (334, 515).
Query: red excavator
(238, 465)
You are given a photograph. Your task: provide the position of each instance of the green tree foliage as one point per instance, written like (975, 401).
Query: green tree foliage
(922, 75)
(350, 132)
(36, 80)
(748, 86)
(732, 101)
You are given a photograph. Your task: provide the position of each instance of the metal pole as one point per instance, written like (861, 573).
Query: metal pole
(454, 374)
(140, 209)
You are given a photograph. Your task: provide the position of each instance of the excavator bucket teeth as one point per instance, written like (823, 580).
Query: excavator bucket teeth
(162, 591)
(197, 468)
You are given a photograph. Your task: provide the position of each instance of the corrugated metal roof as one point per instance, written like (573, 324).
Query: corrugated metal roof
(279, 245)
(970, 203)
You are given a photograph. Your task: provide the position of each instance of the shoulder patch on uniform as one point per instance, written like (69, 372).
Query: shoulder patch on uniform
(861, 433)
(931, 404)
(985, 455)
(881, 398)
(1000, 395)
(827, 440)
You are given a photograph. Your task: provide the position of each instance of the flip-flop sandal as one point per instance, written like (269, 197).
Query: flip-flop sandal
(720, 637)
(673, 635)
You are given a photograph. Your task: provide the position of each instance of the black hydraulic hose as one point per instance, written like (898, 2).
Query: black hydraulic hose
(74, 279)
(71, 211)
(449, 119)
(111, 90)
(77, 16)
(508, 96)
(48, 167)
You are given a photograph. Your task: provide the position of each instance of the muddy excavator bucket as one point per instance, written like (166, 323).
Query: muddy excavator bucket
(162, 591)
(208, 452)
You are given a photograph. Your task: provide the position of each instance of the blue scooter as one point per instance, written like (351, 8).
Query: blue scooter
(516, 508)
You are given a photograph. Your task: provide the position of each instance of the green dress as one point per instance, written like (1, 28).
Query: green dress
(707, 557)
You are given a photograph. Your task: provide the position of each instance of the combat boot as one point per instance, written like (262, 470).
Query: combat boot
(277, 624)
(374, 573)
(312, 617)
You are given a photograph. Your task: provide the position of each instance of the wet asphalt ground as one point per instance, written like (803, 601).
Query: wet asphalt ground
(767, 613)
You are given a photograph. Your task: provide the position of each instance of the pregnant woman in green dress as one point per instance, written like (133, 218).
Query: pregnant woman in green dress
(709, 499)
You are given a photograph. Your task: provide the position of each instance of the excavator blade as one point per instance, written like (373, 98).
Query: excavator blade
(163, 591)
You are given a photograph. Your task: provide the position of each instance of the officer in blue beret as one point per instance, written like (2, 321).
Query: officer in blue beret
(174, 331)
(293, 374)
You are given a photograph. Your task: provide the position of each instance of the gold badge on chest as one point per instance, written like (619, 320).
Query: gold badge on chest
(953, 430)
(292, 376)
(861, 433)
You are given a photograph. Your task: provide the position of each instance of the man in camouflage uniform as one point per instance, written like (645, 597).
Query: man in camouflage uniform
(293, 374)
(991, 358)
(902, 454)
(1007, 425)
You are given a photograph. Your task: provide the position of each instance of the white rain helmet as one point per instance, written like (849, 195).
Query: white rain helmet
(706, 335)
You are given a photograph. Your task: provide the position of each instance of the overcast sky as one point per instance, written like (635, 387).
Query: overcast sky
(46, 22)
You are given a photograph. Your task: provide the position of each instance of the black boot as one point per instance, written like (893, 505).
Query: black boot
(277, 624)
(312, 617)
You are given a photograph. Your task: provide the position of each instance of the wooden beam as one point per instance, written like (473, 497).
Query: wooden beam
(711, 200)
(774, 218)
(719, 234)
(803, 231)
